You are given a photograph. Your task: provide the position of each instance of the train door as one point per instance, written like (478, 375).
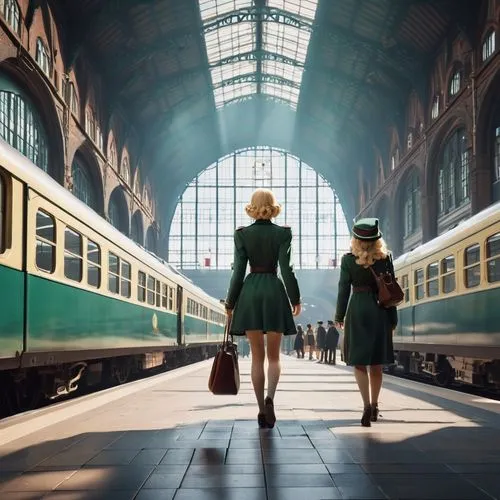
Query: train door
(180, 315)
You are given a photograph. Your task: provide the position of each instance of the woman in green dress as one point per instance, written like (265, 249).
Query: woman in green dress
(259, 304)
(368, 326)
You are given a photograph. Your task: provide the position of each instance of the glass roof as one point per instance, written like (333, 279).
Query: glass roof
(278, 64)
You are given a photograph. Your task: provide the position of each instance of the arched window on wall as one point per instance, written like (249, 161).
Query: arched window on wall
(136, 229)
(455, 82)
(83, 187)
(394, 159)
(453, 177)
(151, 240)
(92, 126)
(42, 56)
(496, 173)
(117, 211)
(411, 205)
(12, 14)
(435, 107)
(137, 183)
(147, 198)
(112, 154)
(125, 170)
(488, 45)
(21, 126)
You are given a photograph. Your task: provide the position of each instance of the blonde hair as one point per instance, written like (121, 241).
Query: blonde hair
(367, 252)
(263, 205)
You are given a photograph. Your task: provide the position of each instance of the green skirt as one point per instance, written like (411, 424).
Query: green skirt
(368, 332)
(263, 304)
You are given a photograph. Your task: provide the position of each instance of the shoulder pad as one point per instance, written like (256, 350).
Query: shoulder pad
(240, 228)
(286, 227)
(349, 253)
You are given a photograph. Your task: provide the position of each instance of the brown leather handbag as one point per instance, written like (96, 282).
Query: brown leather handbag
(225, 375)
(389, 291)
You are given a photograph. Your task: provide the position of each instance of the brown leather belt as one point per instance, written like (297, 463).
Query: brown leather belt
(360, 289)
(263, 270)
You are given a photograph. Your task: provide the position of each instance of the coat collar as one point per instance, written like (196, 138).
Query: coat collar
(262, 221)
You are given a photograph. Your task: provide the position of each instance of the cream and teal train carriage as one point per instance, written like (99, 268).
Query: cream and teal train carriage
(79, 300)
(449, 323)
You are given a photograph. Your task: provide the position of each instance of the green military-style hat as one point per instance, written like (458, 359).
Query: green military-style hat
(366, 229)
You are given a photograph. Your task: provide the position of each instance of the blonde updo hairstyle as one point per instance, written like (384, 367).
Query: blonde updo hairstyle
(367, 252)
(263, 205)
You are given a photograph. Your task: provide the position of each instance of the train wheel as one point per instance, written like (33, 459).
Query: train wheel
(444, 376)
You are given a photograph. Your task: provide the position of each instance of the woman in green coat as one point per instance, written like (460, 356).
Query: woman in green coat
(260, 302)
(368, 326)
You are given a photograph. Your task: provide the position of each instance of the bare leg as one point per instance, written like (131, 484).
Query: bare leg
(375, 382)
(361, 376)
(273, 357)
(256, 339)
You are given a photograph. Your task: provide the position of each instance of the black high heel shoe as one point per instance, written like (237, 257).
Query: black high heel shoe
(261, 419)
(375, 412)
(367, 415)
(270, 416)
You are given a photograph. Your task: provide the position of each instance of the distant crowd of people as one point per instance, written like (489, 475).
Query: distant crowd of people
(322, 344)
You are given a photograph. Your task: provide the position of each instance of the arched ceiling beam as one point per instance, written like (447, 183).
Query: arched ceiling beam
(177, 40)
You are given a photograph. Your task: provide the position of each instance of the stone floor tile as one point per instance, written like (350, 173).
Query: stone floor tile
(300, 469)
(24, 495)
(303, 494)
(490, 483)
(344, 468)
(113, 457)
(149, 457)
(352, 480)
(207, 469)
(155, 495)
(36, 481)
(298, 442)
(175, 457)
(70, 457)
(245, 444)
(405, 468)
(223, 481)
(242, 456)
(335, 456)
(125, 478)
(91, 495)
(361, 493)
(211, 456)
(298, 480)
(221, 494)
(291, 456)
(161, 481)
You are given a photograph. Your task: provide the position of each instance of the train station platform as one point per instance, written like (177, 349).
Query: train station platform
(167, 437)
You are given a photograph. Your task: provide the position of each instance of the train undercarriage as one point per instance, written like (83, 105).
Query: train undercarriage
(444, 370)
(24, 389)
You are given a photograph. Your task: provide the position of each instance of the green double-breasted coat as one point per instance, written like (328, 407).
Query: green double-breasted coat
(367, 326)
(260, 301)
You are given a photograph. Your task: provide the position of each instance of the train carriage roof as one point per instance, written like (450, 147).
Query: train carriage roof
(466, 228)
(22, 168)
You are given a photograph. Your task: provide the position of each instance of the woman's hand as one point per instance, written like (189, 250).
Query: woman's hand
(297, 308)
(339, 324)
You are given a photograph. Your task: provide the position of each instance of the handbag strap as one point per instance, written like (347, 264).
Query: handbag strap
(227, 329)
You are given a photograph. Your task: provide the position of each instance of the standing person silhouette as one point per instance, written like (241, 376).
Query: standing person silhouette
(368, 327)
(259, 304)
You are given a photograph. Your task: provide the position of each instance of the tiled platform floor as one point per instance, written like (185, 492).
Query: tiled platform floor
(174, 440)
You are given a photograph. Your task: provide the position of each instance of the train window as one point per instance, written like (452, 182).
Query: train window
(2, 214)
(125, 277)
(493, 258)
(113, 273)
(93, 264)
(419, 284)
(141, 287)
(164, 296)
(151, 290)
(45, 242)
(158, 293)
(472, 266)
(448, 274)
(73, 258)
(433, 279)
(171, 299)
(405, 287)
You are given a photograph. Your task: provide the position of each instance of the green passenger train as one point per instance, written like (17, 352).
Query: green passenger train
(79, 301)
(449, 322)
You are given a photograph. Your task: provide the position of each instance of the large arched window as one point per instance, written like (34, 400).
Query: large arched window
(213, 205)
(117, 211)
(83, 187)
(20, 125)
(136, 230)
(455, 82)
(411, 205)
(453, 177)
(12, 14)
